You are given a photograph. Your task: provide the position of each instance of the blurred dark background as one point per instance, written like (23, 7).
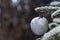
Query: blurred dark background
(15, 20)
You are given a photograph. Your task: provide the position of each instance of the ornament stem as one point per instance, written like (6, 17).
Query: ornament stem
(40, 15)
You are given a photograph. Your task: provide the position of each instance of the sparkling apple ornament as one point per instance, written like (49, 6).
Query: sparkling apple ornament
(15, 2)
(39, 25)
